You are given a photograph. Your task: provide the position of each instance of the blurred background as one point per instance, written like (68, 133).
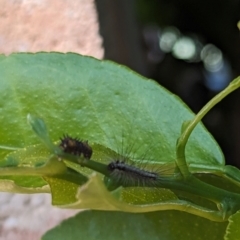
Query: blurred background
(190, 47)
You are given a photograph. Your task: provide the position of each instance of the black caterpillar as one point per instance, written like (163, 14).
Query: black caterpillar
(75, 146)
(127, 175)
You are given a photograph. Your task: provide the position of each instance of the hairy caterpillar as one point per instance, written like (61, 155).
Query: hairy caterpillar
(128, 171)
(75, 146)
(125, 174)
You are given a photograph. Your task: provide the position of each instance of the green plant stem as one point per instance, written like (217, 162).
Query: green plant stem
(182, 141)
(91, 164)
(228, 172)
(227, 202)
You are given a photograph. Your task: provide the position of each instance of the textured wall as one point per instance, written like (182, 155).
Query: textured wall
(49, 25)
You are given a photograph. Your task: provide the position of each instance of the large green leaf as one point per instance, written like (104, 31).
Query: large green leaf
(109, 105)
(95, 100)
(169, 225)
(112, 107)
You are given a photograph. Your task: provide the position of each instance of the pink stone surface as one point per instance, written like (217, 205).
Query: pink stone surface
(49, 25)
(27, 217)
(32, 26)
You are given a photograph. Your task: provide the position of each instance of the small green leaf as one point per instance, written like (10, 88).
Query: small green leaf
(233, 230)
(40, 128)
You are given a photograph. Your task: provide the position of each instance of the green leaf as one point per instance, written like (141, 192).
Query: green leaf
(95, 194)
(99, 101)
(39, 127)
(233, 231)
(169, 225)
(95, 100)
(23, 184)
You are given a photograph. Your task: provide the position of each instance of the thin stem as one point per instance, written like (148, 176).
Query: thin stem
(225, 200)
(91, 164)
(182, 141)
(228, 172)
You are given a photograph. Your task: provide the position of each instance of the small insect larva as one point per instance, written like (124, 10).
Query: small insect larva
(133, 164)
(128, 175)
(75, 146)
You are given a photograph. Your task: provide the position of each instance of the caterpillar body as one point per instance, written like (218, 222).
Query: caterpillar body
(75, 146)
